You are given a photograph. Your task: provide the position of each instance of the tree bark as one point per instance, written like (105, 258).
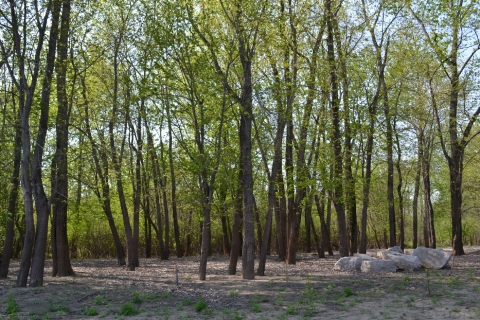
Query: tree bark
(173, 182)
(61, 256)
(336, 135)
(12, 201)
(416, 191)
(237, 222)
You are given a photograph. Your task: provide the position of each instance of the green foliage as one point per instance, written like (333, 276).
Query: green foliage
(99, 301)
(128, 309)
(255, 308)
(11, 305)
(56, 307)
(136, 298)
(291, 309)
(347, 292)
(201, 305)
(92, 311)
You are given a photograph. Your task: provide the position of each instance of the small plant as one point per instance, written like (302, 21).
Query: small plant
(128, 309)
(471, 275)
(291, 309)
(165, 294)
(13, 316)
(427, 275)
(255, 298)
(98, 301)
(92, 311)
(183, 303)
(150, 296)
(136, 298)
(233, 293)
(405, 281)
(309, 310)
(200, 305)
(166, 312)
(54, 307)
(12, 305)
(255, 308)
(279, 300)
(453, 282)
(237, 316)
(347, 292)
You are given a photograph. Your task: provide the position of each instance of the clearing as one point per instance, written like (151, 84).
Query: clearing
(311, 289)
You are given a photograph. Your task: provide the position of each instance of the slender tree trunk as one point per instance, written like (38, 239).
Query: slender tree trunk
(350, 197)
(61, 256)
(102, 168)
(225, 235)
(368, 174)
(237, 222)
(281, 217)
(416, 191)
(259, 228)
(205, 244)
(42, 204)
(401, 213)
(116, 161)
(390, 187)
(156, 187)
(336, 136)
(12, 201)
(176, 230)
(163, 182)
(428, 221)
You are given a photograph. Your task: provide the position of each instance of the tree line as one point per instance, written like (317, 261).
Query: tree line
(239, 127)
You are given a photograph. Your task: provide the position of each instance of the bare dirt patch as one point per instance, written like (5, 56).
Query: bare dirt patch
(311, 289)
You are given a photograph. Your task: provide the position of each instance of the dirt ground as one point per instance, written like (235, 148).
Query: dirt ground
(311, 289)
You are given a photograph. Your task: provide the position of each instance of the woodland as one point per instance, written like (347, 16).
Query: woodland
(235, 127)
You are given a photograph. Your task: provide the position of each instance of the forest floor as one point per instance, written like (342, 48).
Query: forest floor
(311, 289)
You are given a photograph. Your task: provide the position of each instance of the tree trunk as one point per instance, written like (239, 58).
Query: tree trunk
(416, 191)
(156, 187)
(12, 202)
(336, 136)
(42, 205)
(61, 257)
(281, 217)
(163, 182)
(205, 244)
(237, 222)
(425, 146)
(176, 230)
(401, 213)
(350, 197)
(368, 174)
(259, 228)
(116, 161)
(102, 168)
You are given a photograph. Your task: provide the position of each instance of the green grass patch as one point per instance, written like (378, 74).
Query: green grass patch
(91, 312)
(12, 305)
(200, 305)
(347, 292)
(128, 309)
(136, 298)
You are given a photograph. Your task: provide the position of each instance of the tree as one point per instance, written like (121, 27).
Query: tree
(61, 257)
(237, 15)
(447, 26)
(25, 73)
